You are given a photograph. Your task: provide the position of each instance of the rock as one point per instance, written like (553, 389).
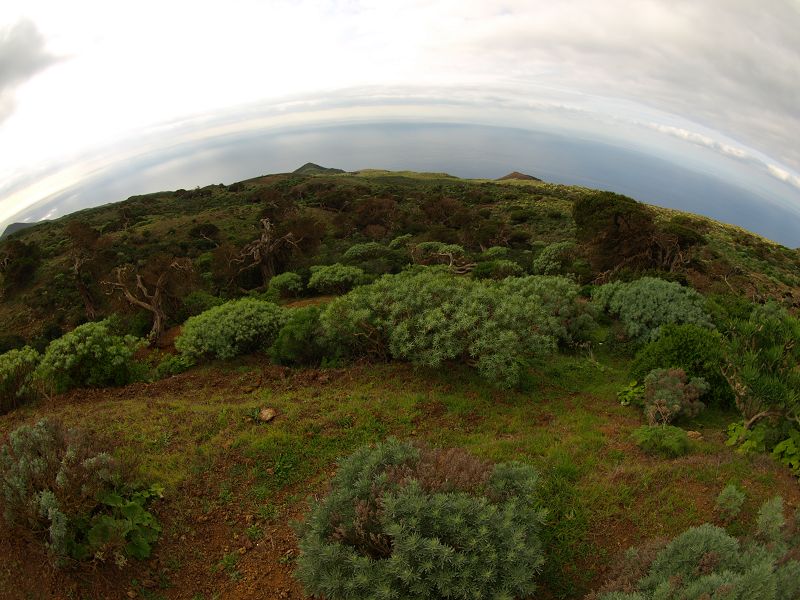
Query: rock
(265, 415)
(694, 435)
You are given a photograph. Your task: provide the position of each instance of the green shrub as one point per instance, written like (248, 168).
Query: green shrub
(645, 305)
(494, 253)
(301, 339)
(729, 502)
(335, 279)
(787, 451)
(417, 523)
(428, 316)
(286, 285)
(559, 297)
(665, 440)
(669, 395)
(707, 562)
(554, 259)
(55, 484)
(200, 301)
(762, 357)
(16, 377)
(696, 350)
(231, 329)
(90, 355)
(632, 394)
(496, 269)
(173, 364)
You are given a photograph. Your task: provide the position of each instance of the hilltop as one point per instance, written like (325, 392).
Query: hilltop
(14, 227)
(224, 347)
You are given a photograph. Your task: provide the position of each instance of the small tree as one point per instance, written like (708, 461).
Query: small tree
(151, 286)
(669, 395)
(86, 253)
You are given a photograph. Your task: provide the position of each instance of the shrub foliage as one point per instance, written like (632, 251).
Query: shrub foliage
(335, 279)
(90, 355)
(231, 329)
(428, 316)
(54, 483)
(16, 377)
(669, 395)
(707, 562)
(404, 521)
(696, 350)
(665, 440)
(645, 305)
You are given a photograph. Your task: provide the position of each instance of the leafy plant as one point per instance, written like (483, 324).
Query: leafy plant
(90, 355)
(16, 377)
(496, 269)
(231, 329)
(788, 451)
(645, 305)
(668, 395)
(55, 483)
(665, 440)
(416, 523)
(199, 301)
(631, 394)
(707, 562)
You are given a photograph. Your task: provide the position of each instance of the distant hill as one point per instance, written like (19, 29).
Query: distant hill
(518, 175)
(17, 227)
(314, 169)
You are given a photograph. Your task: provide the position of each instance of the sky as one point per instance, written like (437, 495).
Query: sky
(94, 94)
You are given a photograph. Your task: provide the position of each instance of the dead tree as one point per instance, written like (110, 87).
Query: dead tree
(263, 252)
(149, 287)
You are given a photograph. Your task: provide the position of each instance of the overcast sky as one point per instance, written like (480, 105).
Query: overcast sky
(86, 87)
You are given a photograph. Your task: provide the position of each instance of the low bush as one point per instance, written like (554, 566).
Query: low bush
(554, 259)
(231, 329)
(496, 269)
(200, 301)
(173, 364)
(54, 483)
(286, 285)
(707, 562)
(696, 350)
(16, 377)
(411, 522)
(669, 395)
(645, 305)
(729, 503)
(428, 316)
(664, 440)
(301, 339)
(90, 355)
(335, 279)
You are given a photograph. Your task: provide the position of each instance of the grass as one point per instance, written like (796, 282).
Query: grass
(603, 494)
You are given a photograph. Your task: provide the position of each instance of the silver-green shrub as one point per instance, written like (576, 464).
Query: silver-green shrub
(16, 377)
(231, 329)
(428, 316)
(646, 304)
(415, 523)
(91, 355)
(335, 279)
(707, 562)
(54, 483)
(729, 502)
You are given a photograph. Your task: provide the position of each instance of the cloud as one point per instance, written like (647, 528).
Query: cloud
(22, 55)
